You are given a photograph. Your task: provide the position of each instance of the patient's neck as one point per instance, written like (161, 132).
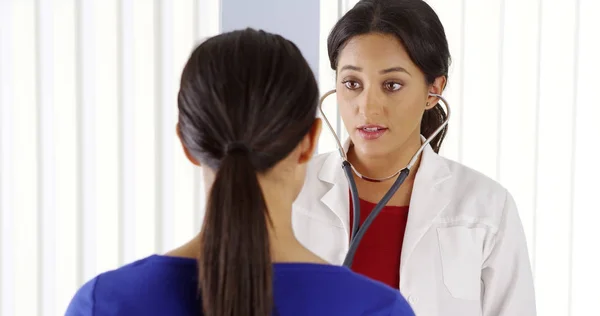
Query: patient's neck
(285, 247)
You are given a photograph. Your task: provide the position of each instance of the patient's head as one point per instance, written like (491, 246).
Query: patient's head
(247, 115)
(251, 89)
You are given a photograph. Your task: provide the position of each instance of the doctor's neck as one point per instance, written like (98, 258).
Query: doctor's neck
(380, 165)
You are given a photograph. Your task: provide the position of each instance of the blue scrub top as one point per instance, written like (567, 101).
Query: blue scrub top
(161, 285)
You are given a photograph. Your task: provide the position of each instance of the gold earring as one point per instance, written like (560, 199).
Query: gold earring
(427, 105)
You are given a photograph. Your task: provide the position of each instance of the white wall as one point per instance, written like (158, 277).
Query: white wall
(297, 21)
(92, 175)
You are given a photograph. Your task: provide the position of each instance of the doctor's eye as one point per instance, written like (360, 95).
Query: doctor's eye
(351, 85)
(392, 86)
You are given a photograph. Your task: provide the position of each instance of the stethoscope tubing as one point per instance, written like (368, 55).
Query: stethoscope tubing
(358, 231)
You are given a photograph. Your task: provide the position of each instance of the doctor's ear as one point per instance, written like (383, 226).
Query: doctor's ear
(185, 150)
(310, 141)
(437, 87)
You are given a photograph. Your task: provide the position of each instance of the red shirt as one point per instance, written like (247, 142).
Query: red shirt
(378, 255)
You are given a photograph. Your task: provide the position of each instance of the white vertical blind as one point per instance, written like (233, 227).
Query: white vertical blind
(451, 13)
(24, 180)
(518, 109)
(145, 131)
(86, 139)
(481, 83)
(7, 240)
(92, 173)
(557, 77)
(585, 258)
(45, 158)
(106, 113)
(125, 81)
(164, 102)
(65, 140)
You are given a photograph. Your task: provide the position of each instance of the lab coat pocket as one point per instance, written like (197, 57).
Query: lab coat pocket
(461, 261)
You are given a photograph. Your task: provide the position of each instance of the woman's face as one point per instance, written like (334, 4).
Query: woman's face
(381, 93)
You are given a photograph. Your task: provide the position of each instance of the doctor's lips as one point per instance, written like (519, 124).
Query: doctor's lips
(371, 131)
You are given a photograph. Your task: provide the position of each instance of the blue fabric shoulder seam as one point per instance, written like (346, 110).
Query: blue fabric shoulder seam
(93, 295)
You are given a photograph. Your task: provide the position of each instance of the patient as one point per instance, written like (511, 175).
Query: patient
(247, 116)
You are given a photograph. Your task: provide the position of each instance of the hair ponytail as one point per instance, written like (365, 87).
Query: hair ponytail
(256, 89)
(432, 119)
(235, 261)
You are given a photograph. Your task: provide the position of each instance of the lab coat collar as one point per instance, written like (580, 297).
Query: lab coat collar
(432, 169)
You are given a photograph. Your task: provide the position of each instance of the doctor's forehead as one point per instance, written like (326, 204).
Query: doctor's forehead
(374, 52)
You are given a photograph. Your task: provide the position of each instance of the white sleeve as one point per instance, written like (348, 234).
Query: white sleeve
(506, 273)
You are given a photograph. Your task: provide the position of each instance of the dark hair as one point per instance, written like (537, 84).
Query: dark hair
(247, 99)
(418, 28)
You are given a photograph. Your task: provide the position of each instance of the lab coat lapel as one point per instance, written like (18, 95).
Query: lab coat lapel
(336, 198)
(429, 198)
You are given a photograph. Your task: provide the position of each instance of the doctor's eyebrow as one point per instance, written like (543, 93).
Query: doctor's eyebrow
(384, 71)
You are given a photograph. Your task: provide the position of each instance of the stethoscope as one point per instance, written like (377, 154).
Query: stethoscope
(358, 231)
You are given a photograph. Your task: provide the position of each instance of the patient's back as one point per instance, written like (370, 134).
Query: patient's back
(161, 285)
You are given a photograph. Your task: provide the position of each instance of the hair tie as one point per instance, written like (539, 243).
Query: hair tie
(237, 148)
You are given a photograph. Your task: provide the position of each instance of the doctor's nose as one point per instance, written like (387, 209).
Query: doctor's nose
(370, 103)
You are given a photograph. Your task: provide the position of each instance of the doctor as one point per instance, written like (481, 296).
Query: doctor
(450, 239)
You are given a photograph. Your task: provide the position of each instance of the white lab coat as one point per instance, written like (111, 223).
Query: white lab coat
(464, 251)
